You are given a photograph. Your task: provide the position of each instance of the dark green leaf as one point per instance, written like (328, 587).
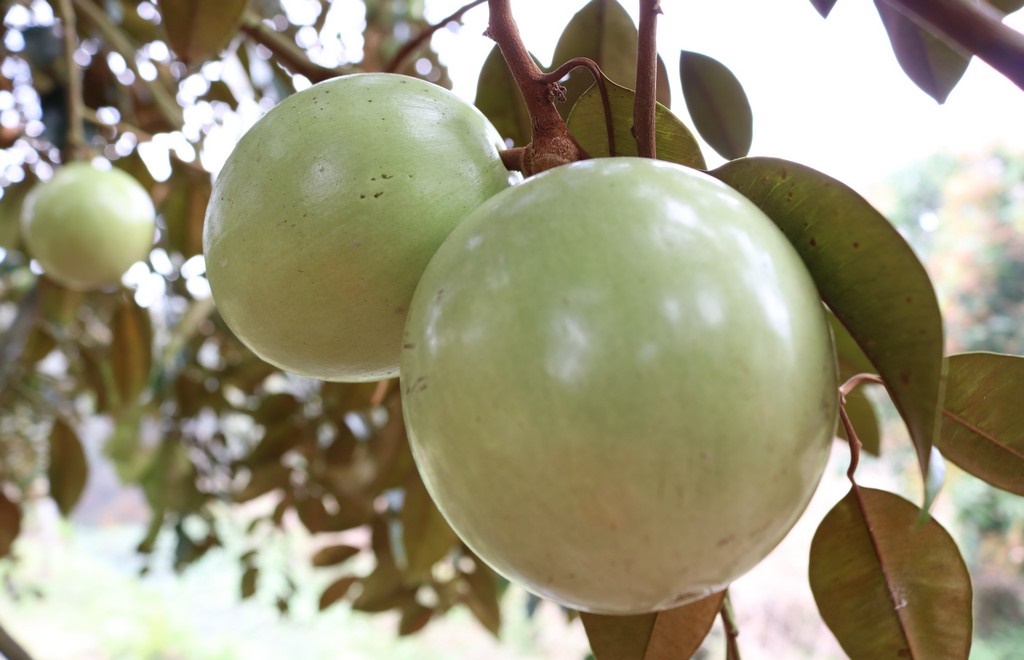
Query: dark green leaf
(934, 65)
(887, 586)
(414, 618)
(865, 422)
(425, 533)
(249, 577)
(665, 635)
(131, 351)
(498, 97)
(866, 273)
(10, 524)
(198, 30)
(336, 591)
(983, 421)
(588, 125)
(604, 32)
(717, 104)
(482, 597)
(334, 554)
(824, 6)
(68, 469)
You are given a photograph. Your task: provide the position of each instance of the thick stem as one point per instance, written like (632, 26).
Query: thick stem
(646, 79)
(10, 649)
(410, 46)
(975, 27)
(599, 79)
(552, 144)
(286, 51)
(77, 147)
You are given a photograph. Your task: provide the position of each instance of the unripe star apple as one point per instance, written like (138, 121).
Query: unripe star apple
(328, 210)
(619, 384)
(86, 226)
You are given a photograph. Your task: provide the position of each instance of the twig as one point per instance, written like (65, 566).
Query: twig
(599, 79)
(417, 41)
(290, 55)
(732, 630)
(857, 380)
(975, 27)
(646, 79)
(10, 649)
(77, 145)
(116, 40)
(852, 439)
(551, 144)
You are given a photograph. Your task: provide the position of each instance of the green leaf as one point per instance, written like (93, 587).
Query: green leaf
(1007, 6)
(414, 618)
(498, 97)
(334, 554)
(865, 421)
(336, 591)
(982, 419)
(867, 274)
(10, 524)
(886, 586)
(425, 533)
(665, 635)
(587, 123)
(198, 30)
(933, 64)
(850, 356)
(68, 469)
(482, 597)
(824, 6)
(131, 350)
(717, 104)
(248, 586)
(603, 31)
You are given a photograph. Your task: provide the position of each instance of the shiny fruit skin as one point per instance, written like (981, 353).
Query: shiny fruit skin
(328, 210)
(86, 226)
(619, 384)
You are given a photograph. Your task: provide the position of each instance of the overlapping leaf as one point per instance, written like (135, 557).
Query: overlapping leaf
(861, 411)
(334, 554)
(933, 64)
(982, 419)
(717, 104)
(866, 273)
(666, 635)
(886, 586)
(603, 31)
(68, 468)
(482, 597)
(673, 141)
(336, 590)
(198, 30)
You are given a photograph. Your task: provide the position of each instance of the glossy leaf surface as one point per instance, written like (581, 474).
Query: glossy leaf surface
(717, 104)
(983, 420)
(886, 587)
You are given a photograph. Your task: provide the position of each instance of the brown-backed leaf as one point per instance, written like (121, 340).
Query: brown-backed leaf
(482, 597)
(717, 104)
(276, 440)
(849, 355)
(603, 31)
(263, 479)
(982, 419)
(824, 7)
(867, 274)
(414, 618)
(425, 533)
(334, 554)
(587, 123)
(10, 524)
(933, 64)
(184, 209)
(248, 585)
(131, 350)
(198, 30)
(498, 97)
(68, 469)
(336, 591)
(384, 588)
(865, 421)
(665, 635)
(887, 586)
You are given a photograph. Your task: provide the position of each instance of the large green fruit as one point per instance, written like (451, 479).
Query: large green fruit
(619, 384)
(328, 210)
(86, 226)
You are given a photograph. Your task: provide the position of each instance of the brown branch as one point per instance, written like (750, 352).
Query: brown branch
(10, 649)
(646, 79)
(551, 144)
(851, 438)
(975, 27)
(595, 71)
(425, 35)
(77, 146)
(286, 51)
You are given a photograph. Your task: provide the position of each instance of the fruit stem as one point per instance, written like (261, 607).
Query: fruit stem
(732, 630)
(425, 34)
(552, 144)
(77, 148)
(646, 79)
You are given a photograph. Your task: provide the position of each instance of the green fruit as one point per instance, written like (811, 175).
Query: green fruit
(86, 226)
(328, 210)
(619, 384)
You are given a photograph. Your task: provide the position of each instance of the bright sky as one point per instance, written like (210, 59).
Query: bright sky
(826, 93)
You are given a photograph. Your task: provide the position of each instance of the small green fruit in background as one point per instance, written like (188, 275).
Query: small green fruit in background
(328, 210)
(619, 384)
(86, 226)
